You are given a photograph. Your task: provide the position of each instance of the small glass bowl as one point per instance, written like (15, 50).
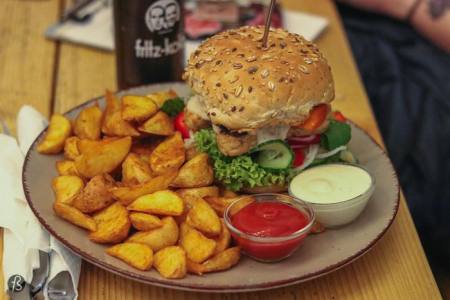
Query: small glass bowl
(269, 249)
(337, 214)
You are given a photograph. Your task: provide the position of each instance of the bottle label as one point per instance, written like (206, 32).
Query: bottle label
(148, 49)
(161, 18)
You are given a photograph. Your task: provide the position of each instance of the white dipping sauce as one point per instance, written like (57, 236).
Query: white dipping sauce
(331, 183)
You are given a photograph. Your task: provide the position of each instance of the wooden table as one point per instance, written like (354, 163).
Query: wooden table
(54, 77)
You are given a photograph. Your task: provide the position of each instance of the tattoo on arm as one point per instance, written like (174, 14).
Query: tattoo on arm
(437, 8)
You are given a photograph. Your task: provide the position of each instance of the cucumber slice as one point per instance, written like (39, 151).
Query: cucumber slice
(274, 154)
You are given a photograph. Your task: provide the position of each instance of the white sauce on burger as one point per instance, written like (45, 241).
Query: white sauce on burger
(278, 132)
(195, 105)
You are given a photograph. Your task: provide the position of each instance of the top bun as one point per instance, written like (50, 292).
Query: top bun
(245, 86)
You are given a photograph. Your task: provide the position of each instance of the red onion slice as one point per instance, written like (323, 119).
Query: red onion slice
(306, 138)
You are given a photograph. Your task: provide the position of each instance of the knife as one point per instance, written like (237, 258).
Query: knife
(40, 275)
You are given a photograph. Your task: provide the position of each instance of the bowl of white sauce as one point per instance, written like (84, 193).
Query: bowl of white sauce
(337, 192)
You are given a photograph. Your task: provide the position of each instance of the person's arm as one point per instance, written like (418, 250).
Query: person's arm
(436, 26)
(429, 17)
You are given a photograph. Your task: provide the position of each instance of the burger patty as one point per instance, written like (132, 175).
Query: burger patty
(194, 122)
(233, 143)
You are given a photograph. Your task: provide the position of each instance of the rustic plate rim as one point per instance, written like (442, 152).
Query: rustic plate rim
(174, 284)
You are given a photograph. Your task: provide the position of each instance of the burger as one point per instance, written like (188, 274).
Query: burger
(262, 113)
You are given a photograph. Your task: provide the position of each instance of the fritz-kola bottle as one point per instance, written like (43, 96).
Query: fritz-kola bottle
(149, 41)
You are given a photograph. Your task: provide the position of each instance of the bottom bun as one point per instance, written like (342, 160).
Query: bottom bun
(265, 189)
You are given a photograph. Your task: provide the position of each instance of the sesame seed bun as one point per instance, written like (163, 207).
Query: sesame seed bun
(245, 86)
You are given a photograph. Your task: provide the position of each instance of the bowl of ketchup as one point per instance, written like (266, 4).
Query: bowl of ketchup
(269, 227)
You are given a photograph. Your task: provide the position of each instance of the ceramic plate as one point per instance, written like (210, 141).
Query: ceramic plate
(319, 255)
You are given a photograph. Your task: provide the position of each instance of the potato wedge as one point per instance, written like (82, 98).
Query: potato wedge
(66, 188)
(113, 224)
(67, 167)
(84, 145)
(191, 195)
(195, 173)
(220, 204)
(247, 199)
(127, 194)
(219, 262)
(158, 238)
(71, 148)
(135, 170)
(227, 193)
(58, 131)
(102, 157)
(95, 196)
(194, 268)
(317, 228)
(113, 124)
(164, 202)
(74, 216)
(191, 152)
(137, 108)
(88, 123)
(144, 147)
(198, 247)
(222, 260)
(194, 193)
(159, 124)
(170, 262)
(139, 256)
(169, 155)
(224, 238)
(160, 97)
(145, 222)
(202, 217)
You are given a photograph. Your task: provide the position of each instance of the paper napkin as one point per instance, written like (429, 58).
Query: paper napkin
(23, 234)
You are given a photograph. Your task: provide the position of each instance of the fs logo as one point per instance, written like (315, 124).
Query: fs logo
(16, 283)
(162, 15)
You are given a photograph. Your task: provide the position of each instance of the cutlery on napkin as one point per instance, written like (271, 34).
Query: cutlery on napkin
(25, 241)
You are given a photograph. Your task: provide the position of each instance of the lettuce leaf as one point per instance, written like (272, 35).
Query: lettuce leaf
(336, 135)
(240, 171)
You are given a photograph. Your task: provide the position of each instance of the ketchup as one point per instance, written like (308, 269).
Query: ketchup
(269, 219)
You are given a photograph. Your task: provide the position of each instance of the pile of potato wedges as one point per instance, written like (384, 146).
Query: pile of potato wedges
(128, 180)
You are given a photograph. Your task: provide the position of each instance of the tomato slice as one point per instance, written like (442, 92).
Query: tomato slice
(299, 157)
(338, 116)
(181, 126)
(317, 116)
